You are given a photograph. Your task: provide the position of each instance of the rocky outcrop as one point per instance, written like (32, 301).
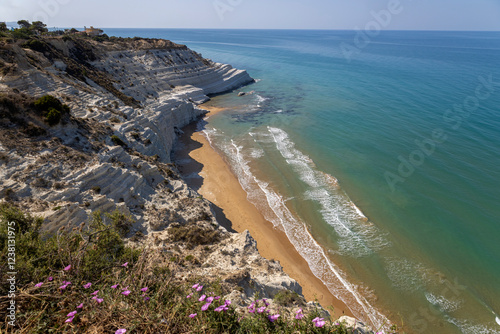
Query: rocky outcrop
(142, 91)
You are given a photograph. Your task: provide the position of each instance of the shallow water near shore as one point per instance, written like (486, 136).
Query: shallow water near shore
(323, 147)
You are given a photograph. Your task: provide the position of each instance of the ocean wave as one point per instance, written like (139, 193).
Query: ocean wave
(357, 236)
(468, 327)
(444, 304)
(405, 274)
(260, 98)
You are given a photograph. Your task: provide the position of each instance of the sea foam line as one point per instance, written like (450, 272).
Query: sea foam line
(358, 237)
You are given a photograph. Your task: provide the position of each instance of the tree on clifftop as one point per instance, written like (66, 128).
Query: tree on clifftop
(24, 24)
(3, 26)
(38, 26)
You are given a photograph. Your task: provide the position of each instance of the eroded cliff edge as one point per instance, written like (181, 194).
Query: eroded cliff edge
(128, 99)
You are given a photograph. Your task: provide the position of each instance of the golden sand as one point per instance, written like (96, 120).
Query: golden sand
(220, 186)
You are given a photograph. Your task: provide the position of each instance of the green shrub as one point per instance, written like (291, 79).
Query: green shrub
(53, 116)
(65, 109)
(288, 298)
(194, 235)
(23, 222)
(46, 102)
(36, 44)
(22, 33)
(120, 222)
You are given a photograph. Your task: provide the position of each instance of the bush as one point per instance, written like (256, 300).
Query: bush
(53, 116)
(36, 44)
(194, 235)
(288, 298)
(22, 33)
(120, 222)
(46, 102)
(23, 222)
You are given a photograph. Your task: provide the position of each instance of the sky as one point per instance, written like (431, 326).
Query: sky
(259, 14)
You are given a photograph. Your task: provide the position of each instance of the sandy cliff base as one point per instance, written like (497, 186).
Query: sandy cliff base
(219, 185)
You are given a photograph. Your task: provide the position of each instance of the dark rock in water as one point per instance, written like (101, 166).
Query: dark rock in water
(242, 94)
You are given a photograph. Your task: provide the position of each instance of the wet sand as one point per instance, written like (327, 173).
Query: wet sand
(219, 185)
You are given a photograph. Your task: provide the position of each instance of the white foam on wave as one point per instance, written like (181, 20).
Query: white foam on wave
(406, 275)
(256, 153)
(497, 319)
(263, 196)
(357, 236)
(444, 304)
(260, 98)
(469, 327)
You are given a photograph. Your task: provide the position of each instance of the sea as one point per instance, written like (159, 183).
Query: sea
(378, 156)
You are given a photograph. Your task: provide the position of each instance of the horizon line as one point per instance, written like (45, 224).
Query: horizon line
(290, 29)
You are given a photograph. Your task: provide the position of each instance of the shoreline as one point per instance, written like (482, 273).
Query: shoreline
(218, 184)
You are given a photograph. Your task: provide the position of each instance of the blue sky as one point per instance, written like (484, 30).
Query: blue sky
(260, 14)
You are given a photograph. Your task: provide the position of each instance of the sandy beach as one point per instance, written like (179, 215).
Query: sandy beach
(220, 186)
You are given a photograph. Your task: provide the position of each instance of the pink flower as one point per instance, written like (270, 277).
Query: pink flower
(202, 298)
(195, 286)
(95, 297)
(80, 306)
(62, 287)
(319, 322)
(144, 289)
(99, 300)
(125, 264)
(299, 314)
(227, 302)
(193, 315)
(261, 309)
(126, 292)
(88, 285)
(272, 318)
(72, 314)
(217, 298)
(38, 284)
(210, 299)
(69, 319)
(67, 268)
(114, 286)
(251, 308)
(95, 292)
(199, 288)
(146, 299)
(206, 306)
(121, 331)
(50, 278)
(189, 296)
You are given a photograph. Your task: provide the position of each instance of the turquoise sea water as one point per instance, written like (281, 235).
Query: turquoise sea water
(382, 169)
